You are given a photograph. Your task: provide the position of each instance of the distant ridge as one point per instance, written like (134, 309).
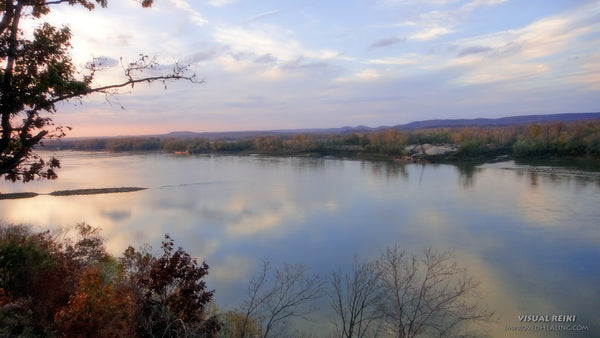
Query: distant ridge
(503, 121)
(427, 124)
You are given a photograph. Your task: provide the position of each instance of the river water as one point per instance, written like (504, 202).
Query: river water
(531, 235)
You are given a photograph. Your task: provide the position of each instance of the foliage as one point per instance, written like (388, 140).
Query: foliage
(37, 73)
(171, 293)
(100, 306)
(558, 139)
(38, 273)
(236, 324)
(70, 286)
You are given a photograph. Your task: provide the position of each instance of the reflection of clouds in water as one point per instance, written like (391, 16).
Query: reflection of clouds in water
(322, 212)
(493, 290)
(117, 215)
(269, 212)
(99, 210)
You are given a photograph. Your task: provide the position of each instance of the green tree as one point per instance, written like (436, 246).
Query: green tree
(37, 72)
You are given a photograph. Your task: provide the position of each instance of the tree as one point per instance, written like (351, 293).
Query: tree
(356, 300)
(39, 273)
(288, 294)
(71, 287)
(428, 296)
(100, 307)
(171, 293)
(37, 72)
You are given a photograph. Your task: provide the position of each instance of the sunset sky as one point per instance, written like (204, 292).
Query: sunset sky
(316, 64)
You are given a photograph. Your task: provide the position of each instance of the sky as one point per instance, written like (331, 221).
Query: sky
(324, 64)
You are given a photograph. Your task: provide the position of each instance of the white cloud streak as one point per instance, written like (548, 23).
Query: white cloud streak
(437, 23)
(523, 53)
(194, 16)
(220, 3)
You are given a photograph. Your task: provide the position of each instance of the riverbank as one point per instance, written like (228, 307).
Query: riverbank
(564, 140)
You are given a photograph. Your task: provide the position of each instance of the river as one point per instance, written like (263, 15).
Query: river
(531, 235)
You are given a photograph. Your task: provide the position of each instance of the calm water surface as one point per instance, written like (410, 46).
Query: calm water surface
(531, 235)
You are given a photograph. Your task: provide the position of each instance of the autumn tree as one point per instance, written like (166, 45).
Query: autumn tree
(170, 293)
(100, 307)
(69, 286)
(39, 273)
(37, 72)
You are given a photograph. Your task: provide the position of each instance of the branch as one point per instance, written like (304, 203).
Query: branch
(55, 2)
(124, 84)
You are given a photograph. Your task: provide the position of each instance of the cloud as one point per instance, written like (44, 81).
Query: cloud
(587, 73)
(386, 42)
(395, 3)
(436, 23)
(409, 59)
(259, 41)
(528, 52)
(474, 50)
(201, 56)
(302, 62)
(266, 51)
(430, 33)
(220, 3)
(262, 16)
(194, 16)
(368, 74)
(266, 59)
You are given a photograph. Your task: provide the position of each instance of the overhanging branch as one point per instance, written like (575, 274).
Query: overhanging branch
(124, 84)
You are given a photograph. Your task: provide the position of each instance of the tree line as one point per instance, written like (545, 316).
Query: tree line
(553, 139)
(56, 285)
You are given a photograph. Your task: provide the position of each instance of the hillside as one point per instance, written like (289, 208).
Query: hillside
(426, 124)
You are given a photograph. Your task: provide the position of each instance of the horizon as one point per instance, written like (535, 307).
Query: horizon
(292, 130)
(286, 65)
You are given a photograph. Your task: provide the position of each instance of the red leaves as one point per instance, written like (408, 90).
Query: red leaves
(74, 288)
(173, 289)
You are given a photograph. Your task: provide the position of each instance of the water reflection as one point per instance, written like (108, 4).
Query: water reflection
(530, 235)
(467, 175)
(390, 170)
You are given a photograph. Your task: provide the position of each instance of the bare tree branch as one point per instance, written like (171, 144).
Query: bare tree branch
(356, 299)
(432, 295)
(289, 293)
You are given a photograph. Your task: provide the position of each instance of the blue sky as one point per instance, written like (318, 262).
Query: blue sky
(316, 64)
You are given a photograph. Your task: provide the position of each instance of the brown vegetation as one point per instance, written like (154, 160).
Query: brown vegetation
(552, 139)
(72, 287)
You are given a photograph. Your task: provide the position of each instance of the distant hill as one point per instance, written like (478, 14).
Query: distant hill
(427, 124)
(503, 121)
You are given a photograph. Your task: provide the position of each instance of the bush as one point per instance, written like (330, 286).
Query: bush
(73, 287)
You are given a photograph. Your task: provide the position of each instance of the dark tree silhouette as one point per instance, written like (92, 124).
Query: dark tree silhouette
(275, 297)
(429, 296)
(356, 298)
(171, 293)
(36, 73)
